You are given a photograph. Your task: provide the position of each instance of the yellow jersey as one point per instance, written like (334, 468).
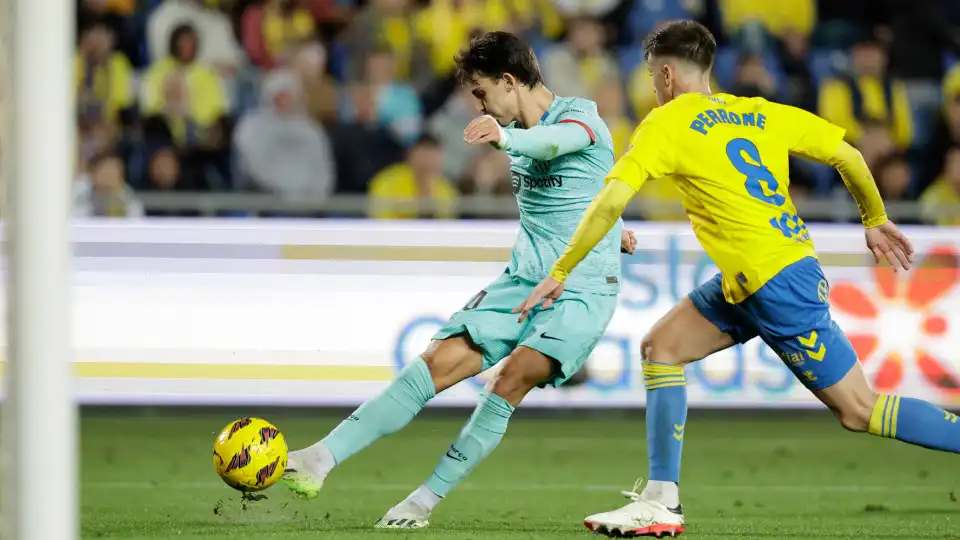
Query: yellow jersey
(729, 158)
(939, 194)
(398, 183)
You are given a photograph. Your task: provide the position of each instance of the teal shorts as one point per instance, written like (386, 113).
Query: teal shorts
(567, 332)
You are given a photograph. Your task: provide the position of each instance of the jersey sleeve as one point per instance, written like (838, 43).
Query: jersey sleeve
(583, 113)
(545, 142)
(651, 154)
(578, 117)
(577, 127)
(806, 134)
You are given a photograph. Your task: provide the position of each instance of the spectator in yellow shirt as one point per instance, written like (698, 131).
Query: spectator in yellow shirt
(103, 78)
(943, 195)
(946, 130)
(539, 17)
(420, 177)
(776, 16)
(447, 25)
(275, 29)
(188, 95)
(869, 93)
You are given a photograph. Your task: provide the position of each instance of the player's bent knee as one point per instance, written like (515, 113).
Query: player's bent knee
(451, 361)
(682, 336)
(658, 348)
(522, 371)
(511, 388)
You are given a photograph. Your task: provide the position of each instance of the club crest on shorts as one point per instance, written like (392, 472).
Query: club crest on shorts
(823, 290)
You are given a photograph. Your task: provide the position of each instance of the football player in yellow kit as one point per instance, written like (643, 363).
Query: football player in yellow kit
(729, 156)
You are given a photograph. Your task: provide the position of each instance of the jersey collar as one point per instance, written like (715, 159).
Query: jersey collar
(546, 113)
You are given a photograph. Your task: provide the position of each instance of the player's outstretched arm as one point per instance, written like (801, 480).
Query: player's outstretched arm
(884, 239)
(597, 221)
(812, 137)
(856, 176)
(539, 142)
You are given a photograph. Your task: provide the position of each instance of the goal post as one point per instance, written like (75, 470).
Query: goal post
(40, 485)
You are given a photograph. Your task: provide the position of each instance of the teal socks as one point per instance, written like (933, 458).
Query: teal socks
(393, 409)
(400, 403)
(477, 440)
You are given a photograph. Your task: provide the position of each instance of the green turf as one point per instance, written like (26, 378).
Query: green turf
(774, 478)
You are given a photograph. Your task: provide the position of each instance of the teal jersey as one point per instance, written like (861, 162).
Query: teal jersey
(553, 195)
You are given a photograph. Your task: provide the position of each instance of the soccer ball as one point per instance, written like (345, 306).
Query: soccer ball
(250, 454)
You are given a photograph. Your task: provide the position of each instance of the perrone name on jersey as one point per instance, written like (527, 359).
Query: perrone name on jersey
(712, 117)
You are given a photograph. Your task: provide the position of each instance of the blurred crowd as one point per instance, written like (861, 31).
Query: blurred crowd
(309, 98)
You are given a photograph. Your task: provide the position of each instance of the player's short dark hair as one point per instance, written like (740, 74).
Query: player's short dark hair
(687, 40)
(495, 54)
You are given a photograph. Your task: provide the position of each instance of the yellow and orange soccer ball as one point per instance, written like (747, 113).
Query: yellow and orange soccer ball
(250, 454)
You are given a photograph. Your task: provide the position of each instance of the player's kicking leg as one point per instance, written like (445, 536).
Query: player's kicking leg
(442, 365)
(522, 371)
(695, 328)
(554, 345)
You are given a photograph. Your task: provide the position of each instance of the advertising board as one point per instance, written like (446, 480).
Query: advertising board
(325, 312)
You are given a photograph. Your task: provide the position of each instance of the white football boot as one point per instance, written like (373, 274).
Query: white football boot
(641, 517)
(303, 474)
(409, 514)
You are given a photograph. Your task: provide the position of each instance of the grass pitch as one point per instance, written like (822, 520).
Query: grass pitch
(790, 476)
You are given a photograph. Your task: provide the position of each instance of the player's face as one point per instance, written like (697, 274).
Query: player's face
(496, 97)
